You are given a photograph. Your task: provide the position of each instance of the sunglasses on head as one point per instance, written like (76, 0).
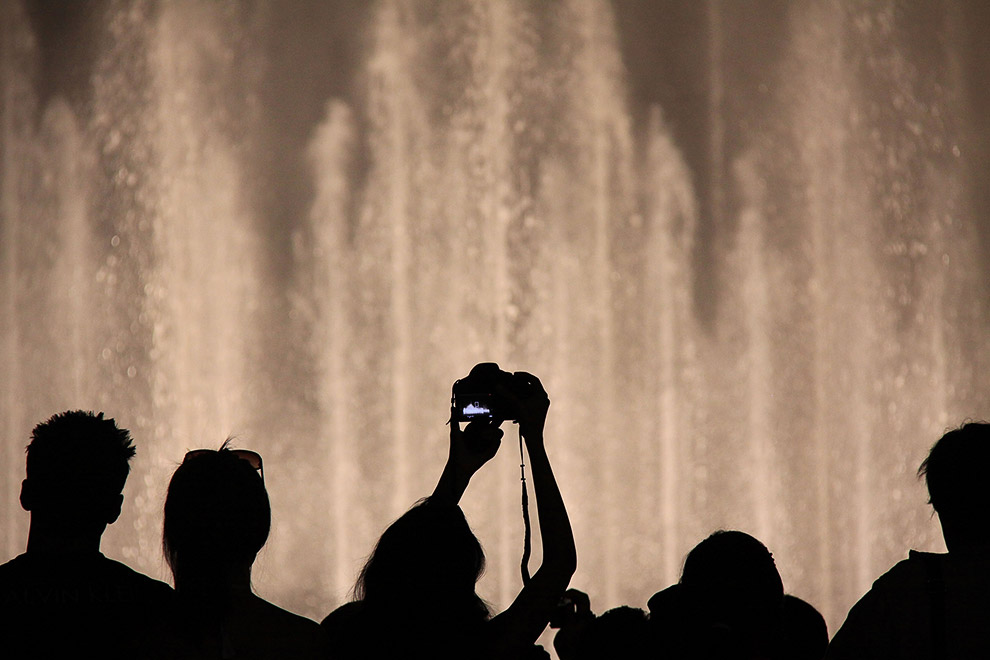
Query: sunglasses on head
(252, 457)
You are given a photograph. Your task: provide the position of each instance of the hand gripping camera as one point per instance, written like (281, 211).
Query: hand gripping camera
(475, 396)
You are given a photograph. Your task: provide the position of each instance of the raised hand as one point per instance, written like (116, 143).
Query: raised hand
(469, 450)
(474, 446)
(530, 400)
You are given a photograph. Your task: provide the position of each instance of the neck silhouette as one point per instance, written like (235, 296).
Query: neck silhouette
(67, 529)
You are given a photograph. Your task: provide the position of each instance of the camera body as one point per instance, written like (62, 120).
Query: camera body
(474, 397)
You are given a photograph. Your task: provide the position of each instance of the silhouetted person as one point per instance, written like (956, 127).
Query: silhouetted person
(804, 632)
(572, 618)
(621, 632)
(935, 605)
(671, 623)
(728, 603)
(217, 518)
(416, 595)
(62, 598)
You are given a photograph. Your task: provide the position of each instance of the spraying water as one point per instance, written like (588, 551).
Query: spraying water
(486, 191)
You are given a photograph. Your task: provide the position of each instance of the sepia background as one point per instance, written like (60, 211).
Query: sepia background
(742, 244)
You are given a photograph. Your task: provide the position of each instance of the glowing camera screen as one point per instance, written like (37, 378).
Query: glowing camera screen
(476, 409)
(475, 406)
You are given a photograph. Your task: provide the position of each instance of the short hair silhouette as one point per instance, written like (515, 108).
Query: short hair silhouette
(62, 596)
(429, 555)
(935, 605)
(955, 472)
(217, 516)
(77, 453)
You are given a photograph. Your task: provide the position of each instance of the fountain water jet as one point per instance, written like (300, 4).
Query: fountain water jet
(489, 194)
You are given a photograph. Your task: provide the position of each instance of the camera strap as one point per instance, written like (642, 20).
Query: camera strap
(527, 527)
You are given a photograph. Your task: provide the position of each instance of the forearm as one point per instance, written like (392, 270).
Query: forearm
(559, 553)
(523, 622)
(451, 485)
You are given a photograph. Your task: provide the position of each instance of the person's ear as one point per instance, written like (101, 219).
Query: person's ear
(27, 495)
(113, 509)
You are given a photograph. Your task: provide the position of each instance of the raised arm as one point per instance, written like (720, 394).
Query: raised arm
(523, 622)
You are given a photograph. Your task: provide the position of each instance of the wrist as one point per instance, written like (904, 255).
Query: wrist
(535, 447)
(532, 435)
(451, 484)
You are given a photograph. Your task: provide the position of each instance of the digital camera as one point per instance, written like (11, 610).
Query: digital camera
(474, 397)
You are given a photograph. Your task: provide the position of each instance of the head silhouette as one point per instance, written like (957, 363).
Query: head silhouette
(734, 588)
(427, 561)
(217, 518)
(77, 463)
(805, 634)
(955, 472)
(621, 632)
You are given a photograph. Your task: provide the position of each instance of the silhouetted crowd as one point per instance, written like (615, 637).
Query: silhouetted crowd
(415, 596)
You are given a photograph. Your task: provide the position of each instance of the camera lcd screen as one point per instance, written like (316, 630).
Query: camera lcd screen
(476, 409)
(474, 405)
